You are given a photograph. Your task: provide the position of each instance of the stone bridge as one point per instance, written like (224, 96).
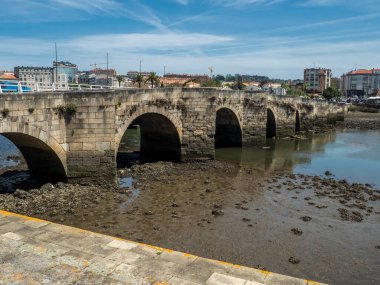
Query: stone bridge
(75, 136)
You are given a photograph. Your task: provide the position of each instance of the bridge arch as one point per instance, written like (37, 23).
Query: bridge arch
(45, 157)
(228, 130)
(160, 136)
(271, 125)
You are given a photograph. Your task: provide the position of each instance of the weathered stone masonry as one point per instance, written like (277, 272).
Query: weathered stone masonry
(76, 135)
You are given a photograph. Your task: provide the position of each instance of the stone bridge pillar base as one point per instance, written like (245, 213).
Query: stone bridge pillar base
(92, 167)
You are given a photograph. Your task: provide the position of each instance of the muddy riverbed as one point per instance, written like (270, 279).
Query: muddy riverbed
(305, 226)
(267, 213)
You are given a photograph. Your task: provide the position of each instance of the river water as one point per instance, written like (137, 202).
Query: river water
(354, 155)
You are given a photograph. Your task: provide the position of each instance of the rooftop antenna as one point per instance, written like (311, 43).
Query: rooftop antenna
(211, 71)
(107, 68)
(56, 64)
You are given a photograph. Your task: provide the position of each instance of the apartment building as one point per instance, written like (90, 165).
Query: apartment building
(33, 76)
(65, 71)
(361, 83)
(317, 80)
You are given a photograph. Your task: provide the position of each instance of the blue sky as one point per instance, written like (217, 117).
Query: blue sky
(278, 38)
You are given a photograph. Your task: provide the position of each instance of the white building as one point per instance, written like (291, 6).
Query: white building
(279, 91)
(361, 82)
(317, 80)
(35, 77)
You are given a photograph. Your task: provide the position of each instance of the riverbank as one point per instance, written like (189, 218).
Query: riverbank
(292, 224)
(360, 121)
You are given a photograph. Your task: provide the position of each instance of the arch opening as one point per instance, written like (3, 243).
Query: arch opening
(150, 137)
(32, 159)
(298, 122)
(227, 129)
(271, 128)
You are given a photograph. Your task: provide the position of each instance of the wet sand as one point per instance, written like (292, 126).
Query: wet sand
(305, 226)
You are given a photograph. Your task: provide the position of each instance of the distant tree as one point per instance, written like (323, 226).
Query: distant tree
(230, 78)
(211, 83)
(138, 79)
(153, 79)
(120, 79)
(263, 83)
(331, 93)
(220, 77)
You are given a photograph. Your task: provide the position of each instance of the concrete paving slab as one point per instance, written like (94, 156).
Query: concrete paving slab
(53, 254)
(121, 244)
(124, 273)
(28, 231)
(177, 257)
(101, 266)
(248, 273)
(35, 224)
(253, 283)
(221, 279)
(10, 227)
(180, 281)
(277, 279)
(99, 250)
(75, 258)
(13, 236)
(124, 256)
(201, 269)
(10, 275)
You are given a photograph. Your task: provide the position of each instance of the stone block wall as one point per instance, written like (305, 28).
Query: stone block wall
(90, 136)
(83, 145)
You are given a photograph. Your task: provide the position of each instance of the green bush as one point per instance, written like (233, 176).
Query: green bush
(5, 112)
(69, 109)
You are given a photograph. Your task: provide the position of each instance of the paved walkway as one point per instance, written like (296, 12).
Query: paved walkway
(34, 251)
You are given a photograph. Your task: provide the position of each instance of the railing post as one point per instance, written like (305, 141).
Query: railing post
(53, 86)
(19, 86)
(37, 87)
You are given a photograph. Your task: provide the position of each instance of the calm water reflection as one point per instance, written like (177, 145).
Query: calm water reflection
(354, 156)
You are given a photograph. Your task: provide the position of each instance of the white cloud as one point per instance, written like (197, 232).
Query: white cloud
(320, 2)
(183, 2)
(330, 22)
(241, 3)
(283, 57)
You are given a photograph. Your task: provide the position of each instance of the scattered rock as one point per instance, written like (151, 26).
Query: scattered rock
(306, 219)
(294, 260)
(297, 231)
(217, 212)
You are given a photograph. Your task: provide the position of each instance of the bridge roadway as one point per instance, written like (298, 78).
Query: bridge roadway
(74, 136)
(34, 251)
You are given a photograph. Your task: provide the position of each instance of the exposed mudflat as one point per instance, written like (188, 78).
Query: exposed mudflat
(305, 226)
(361, 121)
